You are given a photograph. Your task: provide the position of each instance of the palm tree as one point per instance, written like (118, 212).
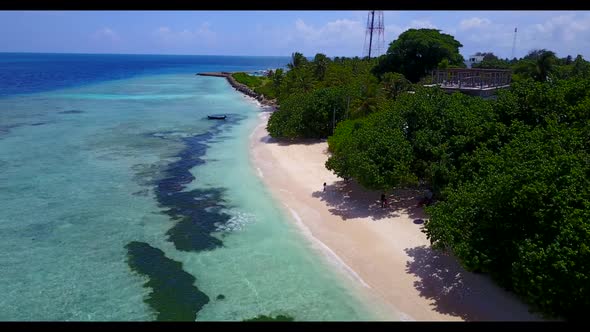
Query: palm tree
(304, 80)
(297, 60)
(544, 65)
(320, 63)
(538, 64)
(368, 102)
(581, 67)
(277, 78)
(394, 84)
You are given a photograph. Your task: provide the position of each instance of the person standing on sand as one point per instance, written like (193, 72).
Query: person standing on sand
(324, 186)
(383, 200)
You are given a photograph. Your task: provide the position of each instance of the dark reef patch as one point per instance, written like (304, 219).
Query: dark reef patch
(71, 112)
(144, 192)
(197, 212)
(264, 318)
(198, 215)
(174, 296)
(38, 123)
(220, 297)
(5, 129)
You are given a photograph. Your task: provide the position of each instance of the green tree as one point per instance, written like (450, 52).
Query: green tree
(416, 52)
(491, 61)
(320, 64)
(444, 64)
(303, 80)
(368, 96)
(524, 220)
(520, 210)
(308, 115)
(544, 65)
(489, 56)
(297, 61)
(537, 64)
(373, 151)
(394, 84)
(298, 80)
(277, 78)
(581, 67)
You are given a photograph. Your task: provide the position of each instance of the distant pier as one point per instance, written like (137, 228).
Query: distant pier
(215, 74)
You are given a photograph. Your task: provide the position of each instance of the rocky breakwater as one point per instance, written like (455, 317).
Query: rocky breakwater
(242, 88)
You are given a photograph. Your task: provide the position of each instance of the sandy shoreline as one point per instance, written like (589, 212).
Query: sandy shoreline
(384, 250)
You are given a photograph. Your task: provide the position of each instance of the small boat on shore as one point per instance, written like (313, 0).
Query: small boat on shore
(216, 117)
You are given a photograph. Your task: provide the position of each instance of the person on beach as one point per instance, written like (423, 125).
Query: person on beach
(428, 196)
(427, 199)
(324, 186)
(383, 200)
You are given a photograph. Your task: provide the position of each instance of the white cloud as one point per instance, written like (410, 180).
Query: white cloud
(200, 35)
(570, 31)
(421, 24)
(393, 31)
(474, 23)
(107, 34)
(338, 30)
(341, 36)
(335, 37)
(567, 28)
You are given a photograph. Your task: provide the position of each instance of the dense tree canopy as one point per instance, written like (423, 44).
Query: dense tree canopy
(491, 61)
(314, 96)
(441, 130)
(416, 52)
(523, 215)
(537, 64)
(372, 150)
(297, 61)
(512, 177)
(309, 115)
(394, 84)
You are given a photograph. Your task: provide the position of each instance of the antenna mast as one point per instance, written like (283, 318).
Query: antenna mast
(375, 26)
(513, 44)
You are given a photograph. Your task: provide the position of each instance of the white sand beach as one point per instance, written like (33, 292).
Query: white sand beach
(385, 248)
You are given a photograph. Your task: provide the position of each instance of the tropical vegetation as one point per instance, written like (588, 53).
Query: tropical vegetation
(510, 174)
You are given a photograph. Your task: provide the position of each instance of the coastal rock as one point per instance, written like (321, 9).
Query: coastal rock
(242, 88)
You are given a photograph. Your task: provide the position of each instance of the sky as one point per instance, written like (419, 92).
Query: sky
(280, 33)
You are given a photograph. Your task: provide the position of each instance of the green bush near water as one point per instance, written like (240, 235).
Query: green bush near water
(260, 85)
(251, 81)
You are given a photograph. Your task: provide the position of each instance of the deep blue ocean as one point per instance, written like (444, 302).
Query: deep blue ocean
(37, 72)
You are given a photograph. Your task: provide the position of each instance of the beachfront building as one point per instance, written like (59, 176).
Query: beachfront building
(473, 59)
(477, 82)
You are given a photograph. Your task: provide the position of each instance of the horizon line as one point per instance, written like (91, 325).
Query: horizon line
(170, 54)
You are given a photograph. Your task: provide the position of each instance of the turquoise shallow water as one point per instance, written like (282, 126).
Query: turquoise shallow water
(85, 171)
